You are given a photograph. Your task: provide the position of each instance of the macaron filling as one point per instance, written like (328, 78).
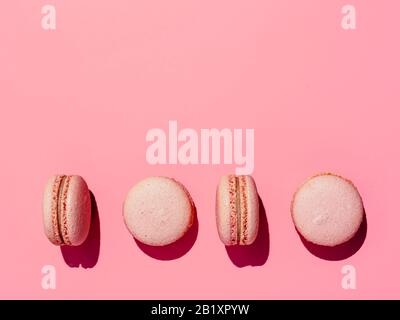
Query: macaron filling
(54, 210)
(233, 217)
(238, 207)
(59, 216)
(243, 209)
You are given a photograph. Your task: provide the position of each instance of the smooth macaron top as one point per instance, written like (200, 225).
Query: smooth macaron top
(327, 210)
(66, 210)
(237, 210)
(158, 211)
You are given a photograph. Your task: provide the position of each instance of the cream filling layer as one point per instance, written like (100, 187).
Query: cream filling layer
(59, 205)
(238, 209)
(61, 209)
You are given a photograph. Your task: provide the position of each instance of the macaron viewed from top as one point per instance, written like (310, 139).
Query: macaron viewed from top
(327, 210)
(66, 210)
(237, 210)
(158, 211)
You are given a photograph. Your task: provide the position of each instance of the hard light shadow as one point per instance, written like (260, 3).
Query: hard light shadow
(174, 250)
(257, 253)
(342, 251)
(87, 254)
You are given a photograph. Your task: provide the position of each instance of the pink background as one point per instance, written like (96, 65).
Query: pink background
(82, 98)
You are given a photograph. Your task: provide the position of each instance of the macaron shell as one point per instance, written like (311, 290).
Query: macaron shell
(78, 211)
(226, 219)
(250, 230)
(47, 212)
(158, 211)
(327, 210)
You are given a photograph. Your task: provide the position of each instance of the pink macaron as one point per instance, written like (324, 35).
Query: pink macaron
(327, 210)
(66, 210)
(237, 210)
(158, 211)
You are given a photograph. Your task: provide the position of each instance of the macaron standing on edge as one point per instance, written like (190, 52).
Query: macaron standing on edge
(327, 210)
(237, 210)
(66, 210)
(158, 211)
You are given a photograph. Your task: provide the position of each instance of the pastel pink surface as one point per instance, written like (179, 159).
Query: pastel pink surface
(223, 211)
(327, 210)
(158, 211)
(78, 210)
(82, 98)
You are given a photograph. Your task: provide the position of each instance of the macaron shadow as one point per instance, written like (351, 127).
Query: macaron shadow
(257, 253)
(87, 254)
(174, 250)
(342, 251)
